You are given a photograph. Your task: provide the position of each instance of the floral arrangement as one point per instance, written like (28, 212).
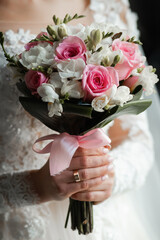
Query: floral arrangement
(78, 78)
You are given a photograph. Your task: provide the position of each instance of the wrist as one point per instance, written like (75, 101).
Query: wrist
(42, 185)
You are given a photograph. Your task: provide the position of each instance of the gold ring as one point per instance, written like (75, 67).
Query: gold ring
(76, 176)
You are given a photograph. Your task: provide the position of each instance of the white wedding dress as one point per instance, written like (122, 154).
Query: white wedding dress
(121, 217)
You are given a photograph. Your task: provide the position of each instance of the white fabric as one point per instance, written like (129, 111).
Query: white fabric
(116, 218)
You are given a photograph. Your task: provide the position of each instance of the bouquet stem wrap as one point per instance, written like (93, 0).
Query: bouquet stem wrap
(61, 149)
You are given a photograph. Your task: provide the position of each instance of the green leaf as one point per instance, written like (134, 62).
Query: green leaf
(73, 119)
(80, 110)
(23, 89)
(133, 107)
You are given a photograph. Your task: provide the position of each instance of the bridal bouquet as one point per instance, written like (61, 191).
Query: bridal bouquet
(78, 78)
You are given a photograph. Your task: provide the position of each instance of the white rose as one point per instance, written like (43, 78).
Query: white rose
(47, 93)
(98, 103)
(73, 88)
(55, 109)
(40, 55)
(148, 79)
(120, 96)
(71, 69)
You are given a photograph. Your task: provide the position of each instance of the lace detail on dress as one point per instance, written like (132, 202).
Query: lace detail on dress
(16, 191)
(18, 131)
(116, 12)
(134, 157)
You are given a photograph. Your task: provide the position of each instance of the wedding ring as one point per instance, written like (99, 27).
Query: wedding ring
(76, 176)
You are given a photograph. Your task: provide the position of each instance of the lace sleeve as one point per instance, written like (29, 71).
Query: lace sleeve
(16, 190)
(134, 157)
(117, 12)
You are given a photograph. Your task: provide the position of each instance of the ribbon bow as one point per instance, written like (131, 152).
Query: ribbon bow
(63, 146)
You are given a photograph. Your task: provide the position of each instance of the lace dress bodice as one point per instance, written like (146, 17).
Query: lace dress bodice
(18, 131)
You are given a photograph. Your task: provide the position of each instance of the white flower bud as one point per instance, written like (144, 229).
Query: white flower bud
(98, 103)
(47, 93)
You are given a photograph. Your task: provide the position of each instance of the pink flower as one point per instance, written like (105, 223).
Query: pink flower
(130, 82)
(71, 47)
(132, 58)
(34, 79)
(32, 44)
(97, 80)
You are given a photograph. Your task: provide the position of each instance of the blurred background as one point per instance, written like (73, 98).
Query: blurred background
(149, 26)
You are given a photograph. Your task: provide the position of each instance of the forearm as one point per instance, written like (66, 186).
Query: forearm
(133, 156)
(18, 190)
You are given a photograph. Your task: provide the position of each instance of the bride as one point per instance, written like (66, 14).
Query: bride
(33, 205)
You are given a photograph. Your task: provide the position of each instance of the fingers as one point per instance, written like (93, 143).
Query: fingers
(94, 196)
(91, 152)
(83, 186)
(87, 173)
(107, 184)
(89, 162)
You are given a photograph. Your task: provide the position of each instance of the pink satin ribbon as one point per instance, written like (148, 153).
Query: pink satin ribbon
(63, 146)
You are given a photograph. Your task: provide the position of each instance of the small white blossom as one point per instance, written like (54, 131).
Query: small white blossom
(147, 79)
(47, 93)
(78, 30)
(55, 109)
(121, 96)
(73, 88)
(98, 103)
(55, 80)
(71, 69)
(39, 55)
(106, 52)
(107, 28)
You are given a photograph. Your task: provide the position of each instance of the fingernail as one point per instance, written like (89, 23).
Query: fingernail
(110, 159)
(105, 150)
(110, 167)
(105, 177)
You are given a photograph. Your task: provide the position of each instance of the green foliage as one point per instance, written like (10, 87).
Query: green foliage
(132, 40)
(117, 35)
(79, 117)
(66, 19)
(106, 35)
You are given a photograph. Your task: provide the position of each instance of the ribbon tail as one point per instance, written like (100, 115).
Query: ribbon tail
(62, 151)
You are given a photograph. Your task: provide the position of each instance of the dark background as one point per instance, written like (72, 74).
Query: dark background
(149, 26)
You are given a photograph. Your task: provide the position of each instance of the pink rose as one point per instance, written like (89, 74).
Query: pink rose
(130, 82)
(132, 58)
(71, 47)
(34, 79)
(97, 80)
(29, 45)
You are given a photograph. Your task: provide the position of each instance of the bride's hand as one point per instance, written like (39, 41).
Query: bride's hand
(92, 166)
(99, 193)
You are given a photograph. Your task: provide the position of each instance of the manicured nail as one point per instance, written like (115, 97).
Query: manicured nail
(110, 167)
(105, 150)
(105, 177)
(110, 159)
